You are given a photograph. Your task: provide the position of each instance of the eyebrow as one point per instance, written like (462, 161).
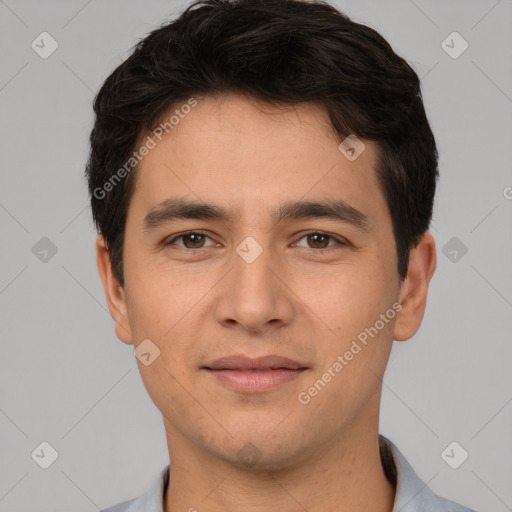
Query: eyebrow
(175, 208)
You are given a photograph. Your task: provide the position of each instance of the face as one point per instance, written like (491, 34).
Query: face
(259, 277)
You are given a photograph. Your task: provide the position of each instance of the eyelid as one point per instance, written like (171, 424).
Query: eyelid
(180, 235)
(340, 241)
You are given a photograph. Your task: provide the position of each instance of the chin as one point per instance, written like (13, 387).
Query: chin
(259, 452)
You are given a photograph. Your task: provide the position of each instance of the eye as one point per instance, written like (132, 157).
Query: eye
(320, 240)
(196, 240)
(190, 239)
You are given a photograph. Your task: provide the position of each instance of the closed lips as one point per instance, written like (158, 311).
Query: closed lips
(263, 363)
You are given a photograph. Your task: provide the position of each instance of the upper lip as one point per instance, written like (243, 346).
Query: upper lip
(240, 362)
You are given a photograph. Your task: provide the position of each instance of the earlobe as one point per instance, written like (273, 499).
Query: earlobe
(114, 292)
(414, 289)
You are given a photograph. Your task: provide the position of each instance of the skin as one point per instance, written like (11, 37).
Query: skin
(301, 298)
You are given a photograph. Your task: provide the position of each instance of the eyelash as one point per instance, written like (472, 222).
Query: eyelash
(339, 241)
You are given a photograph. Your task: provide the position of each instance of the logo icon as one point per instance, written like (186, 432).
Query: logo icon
(44, 250)
(454, 455)
(45, 455)
(146, 352)
(249, 249)
(454, 250)
(454, 45)
(44, 45)
(351, 147)
(249, 454)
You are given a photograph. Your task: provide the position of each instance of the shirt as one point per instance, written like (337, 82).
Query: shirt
(412, 495)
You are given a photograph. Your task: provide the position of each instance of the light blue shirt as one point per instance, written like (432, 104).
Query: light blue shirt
(412, 495)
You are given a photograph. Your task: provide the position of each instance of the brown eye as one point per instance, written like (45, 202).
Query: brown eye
(191, 240)
(318, 240)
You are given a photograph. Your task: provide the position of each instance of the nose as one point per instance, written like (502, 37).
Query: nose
(254, 296)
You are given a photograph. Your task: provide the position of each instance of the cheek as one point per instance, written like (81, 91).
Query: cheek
(165, 385)
(156, 300)
(164, 309)
(352, 301)
(351, 308)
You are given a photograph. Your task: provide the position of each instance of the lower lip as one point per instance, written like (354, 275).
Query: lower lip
(255, 381)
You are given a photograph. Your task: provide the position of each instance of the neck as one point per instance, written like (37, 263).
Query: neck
(345, 474)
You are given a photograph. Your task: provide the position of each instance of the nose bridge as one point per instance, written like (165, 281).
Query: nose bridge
(253, 273)
(253, 295)
(253, 262)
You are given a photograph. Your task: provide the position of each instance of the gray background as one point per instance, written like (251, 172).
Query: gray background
(67, 380)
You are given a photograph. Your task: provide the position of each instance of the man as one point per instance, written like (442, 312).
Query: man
(262, 176)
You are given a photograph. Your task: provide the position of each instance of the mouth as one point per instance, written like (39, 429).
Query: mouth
(255, 381)
(247, 375)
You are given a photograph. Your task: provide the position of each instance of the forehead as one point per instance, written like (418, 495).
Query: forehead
(237, 151)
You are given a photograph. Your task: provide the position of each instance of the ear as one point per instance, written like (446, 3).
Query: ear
(414, 289)
(114, 293)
